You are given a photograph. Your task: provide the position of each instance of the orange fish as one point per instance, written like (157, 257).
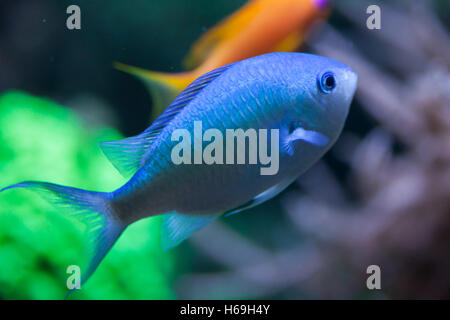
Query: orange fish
(260, 26)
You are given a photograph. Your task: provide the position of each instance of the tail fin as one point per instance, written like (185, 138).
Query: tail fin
(91, 208)
(164, 87)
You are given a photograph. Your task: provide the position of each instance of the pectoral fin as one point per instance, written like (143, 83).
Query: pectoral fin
(310, 136)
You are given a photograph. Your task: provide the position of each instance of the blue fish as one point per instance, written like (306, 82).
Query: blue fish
(300, 99)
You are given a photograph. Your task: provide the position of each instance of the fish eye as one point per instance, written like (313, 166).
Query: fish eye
(327, 82)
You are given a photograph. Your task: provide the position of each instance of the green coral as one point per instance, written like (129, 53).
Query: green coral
(40, 140)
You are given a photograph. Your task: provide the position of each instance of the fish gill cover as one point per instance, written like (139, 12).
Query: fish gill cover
(37, 243)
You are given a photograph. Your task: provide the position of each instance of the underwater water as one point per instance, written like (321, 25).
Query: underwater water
(378, 197)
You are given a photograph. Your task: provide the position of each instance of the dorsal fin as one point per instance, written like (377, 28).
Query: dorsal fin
(126, 155)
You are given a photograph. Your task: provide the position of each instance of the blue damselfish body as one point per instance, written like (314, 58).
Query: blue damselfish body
(306, 97)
